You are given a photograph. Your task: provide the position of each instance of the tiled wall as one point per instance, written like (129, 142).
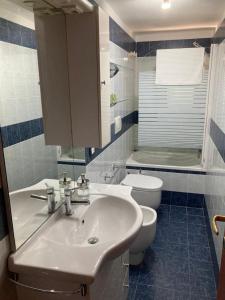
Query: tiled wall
(20, 104)
(123, 85)
(177, 180)
(149, 48)
(215, 188)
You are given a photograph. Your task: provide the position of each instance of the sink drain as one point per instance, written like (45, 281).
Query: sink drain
(93, 240)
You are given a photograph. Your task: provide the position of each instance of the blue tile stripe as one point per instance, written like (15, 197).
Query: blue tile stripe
(3, 221)
(16, 133)
(131, 167)
(17, 34)
(120, 37)
(218, 138)
(149, 48)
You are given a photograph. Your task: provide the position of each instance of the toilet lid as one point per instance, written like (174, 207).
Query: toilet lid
(143, 182)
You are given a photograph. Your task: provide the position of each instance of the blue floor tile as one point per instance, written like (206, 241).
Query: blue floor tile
(199, 230)
(195, 211)
(162, 262)
(203, 287)
(176, 250)
(196, 220)
(179, 199)
(132, 290)
(133, 274)
(195, 200)
(178, 210)
(167, 280)
(198, 297)
(166, 197)
(158, 293)
(200, 253)
(201, 269)
(178, 217)
(200, 240)
(178, 264)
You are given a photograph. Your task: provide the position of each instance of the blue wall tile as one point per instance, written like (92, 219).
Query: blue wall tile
(25, 131)
(14, 31)
(17, 34)
(4, 33)
(16, 133)
(218, 137)
(120, 37)
(149, 48)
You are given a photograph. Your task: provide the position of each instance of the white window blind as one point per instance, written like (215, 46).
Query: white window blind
(171, 116)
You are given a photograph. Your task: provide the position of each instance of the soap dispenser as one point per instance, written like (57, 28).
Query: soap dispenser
(83, 186)
(64, 183)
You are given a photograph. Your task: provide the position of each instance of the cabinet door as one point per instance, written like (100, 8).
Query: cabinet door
(54, 83)
(104, 77)
(88, 61)
(73, 52)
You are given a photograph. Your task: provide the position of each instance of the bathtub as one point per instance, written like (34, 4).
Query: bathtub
(166, 158)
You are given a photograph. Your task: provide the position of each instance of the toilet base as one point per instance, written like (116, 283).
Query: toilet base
(136, 258)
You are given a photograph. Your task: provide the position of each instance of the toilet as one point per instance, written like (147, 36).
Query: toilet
(145, 236)
(146, 190)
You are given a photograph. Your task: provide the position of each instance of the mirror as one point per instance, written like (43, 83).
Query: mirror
(30, 164)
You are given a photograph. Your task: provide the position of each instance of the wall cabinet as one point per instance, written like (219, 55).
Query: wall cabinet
(74, 65)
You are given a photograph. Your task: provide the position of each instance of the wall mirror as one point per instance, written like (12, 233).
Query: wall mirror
(31, 165)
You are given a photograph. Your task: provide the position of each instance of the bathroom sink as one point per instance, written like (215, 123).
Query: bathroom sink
(75, 247)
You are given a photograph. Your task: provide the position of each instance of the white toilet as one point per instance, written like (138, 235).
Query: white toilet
(146, 190)
(145, 236)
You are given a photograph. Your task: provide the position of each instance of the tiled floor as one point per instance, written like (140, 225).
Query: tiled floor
(178, 265)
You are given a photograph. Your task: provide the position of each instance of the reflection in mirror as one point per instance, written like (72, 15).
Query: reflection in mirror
(71, 161)
(32, 167)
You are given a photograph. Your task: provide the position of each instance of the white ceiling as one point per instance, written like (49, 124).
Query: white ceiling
(147, 15)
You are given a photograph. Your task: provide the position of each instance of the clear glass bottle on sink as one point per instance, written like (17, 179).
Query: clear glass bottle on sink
(64, 183)
(83, 187)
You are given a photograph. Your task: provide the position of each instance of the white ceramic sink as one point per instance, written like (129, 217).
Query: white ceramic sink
(61, 246)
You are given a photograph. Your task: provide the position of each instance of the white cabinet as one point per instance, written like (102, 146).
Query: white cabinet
(74, 64)
(111, 283)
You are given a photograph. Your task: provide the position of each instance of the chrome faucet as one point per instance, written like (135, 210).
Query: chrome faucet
(68, 194)
(50, 198)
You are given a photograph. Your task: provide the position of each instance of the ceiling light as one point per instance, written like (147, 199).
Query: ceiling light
(166, 4)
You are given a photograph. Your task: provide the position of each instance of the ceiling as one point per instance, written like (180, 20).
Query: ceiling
(147, 15)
